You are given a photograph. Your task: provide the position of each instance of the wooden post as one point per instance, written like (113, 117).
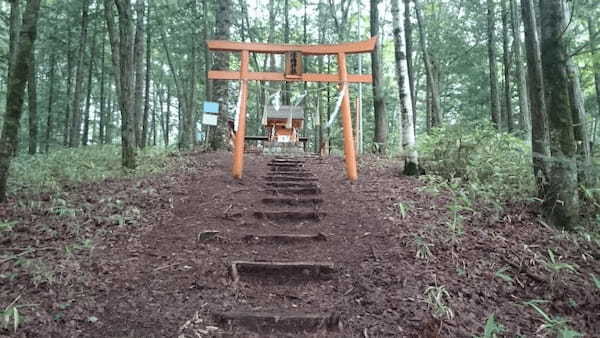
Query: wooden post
(349, 152)
(240, 136)
(357, 106)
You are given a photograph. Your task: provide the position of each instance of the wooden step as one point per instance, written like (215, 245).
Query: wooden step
(291, 178)
(292, 184)
(295, 191)
(284, 238)
(289, 216)
(293, 202)
(288, 322)
(283, 271)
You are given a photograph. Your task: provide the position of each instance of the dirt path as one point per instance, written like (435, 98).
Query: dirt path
(295, 250)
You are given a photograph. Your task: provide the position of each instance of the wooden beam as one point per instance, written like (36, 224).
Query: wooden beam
(307, 77)
(365, 46)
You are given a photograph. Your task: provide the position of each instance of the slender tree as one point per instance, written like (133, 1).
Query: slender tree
(32, 105)
(506, 58)
(76, 114)
(406, 109)
(221, 61)
(20, 72)
(126, 77)
(49, 113)
(138, 57)
(540, 131)
(381, 124)
(494, 97)
(434, 111)
(520, 76)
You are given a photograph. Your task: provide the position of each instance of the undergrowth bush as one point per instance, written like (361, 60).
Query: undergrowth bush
(49, 172)
(485, 165)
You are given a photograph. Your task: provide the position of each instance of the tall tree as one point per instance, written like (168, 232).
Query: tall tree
(9, 139)
(381, 124)
(540, 131)
(434, 111)
(49, 113)
(32, 105)
(561, 206)
(406, 109)
(145, 116)
(595, 62)
(126, 78)
(520, 76)
(221, 61)
(409, 60)
(494, 97)
(138, 60)
(507, 68)
(75, 130)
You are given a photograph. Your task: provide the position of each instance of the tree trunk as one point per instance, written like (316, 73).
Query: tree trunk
(50, 117)
(584, 159)
(507, 68)
(9, 139)
(168, 117)
(596, 64)
(435, 110)
(126, 76)
(540, 131)
(88, 99)
(69, 89)
(221, 62)
(32, 105)
(14, 27)
(561, 206)
(145, 116)
(75, 137)
(409, 61)
(381, 124)
(491, 30)
(525, 116)
(102, 127)
(406, 109)
(138, 60)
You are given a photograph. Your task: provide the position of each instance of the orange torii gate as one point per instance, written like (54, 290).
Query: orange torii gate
(293, 72)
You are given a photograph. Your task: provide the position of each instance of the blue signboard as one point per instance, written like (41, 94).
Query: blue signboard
(211, 107)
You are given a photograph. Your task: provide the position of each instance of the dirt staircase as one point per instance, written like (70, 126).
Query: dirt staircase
(294, 286)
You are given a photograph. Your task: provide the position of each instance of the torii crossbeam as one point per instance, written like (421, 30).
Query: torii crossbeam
(293, 73)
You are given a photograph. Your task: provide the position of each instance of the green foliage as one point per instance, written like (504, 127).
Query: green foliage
(487, 164)
(50, 172)
(492, 328)
(437, 297)
(501, 273)
(596, 281)
(10, 317)
(556, 325)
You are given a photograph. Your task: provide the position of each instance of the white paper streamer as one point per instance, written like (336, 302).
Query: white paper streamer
(338, 105)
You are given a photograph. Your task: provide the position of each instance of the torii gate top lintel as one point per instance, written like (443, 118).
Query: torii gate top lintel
(365, 46)
(293, 72)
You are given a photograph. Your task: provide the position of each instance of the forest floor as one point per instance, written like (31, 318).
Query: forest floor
(152, 257)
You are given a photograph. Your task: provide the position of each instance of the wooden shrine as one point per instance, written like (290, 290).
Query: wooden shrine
(284, 124)
(293, 72)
